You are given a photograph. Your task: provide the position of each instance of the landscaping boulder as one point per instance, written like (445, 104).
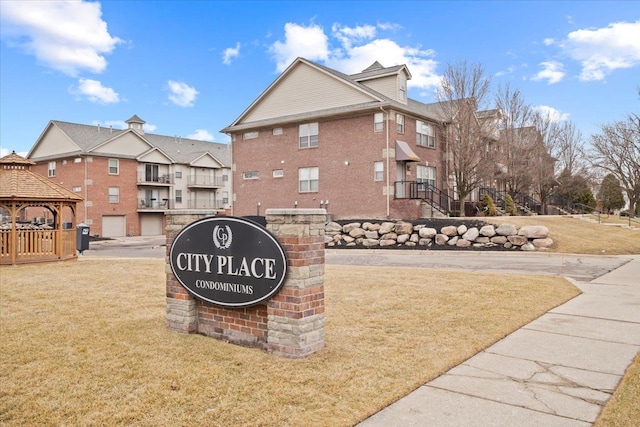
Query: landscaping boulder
(543, 243)
(428, 233)
(403, 227)
(506, 230)
(449, 230)
(534, 231)
(517, 240)
(471, 234)
(488, 231)
(348, 227)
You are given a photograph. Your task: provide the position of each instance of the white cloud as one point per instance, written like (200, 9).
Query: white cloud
(552, 72)
(553, 114)
(6, 152)
(310, 42)
(352, 49)
(230, 53)
(603, 50)
(201, 135)
(349, 35)
(68, 36)
(548, 41)
(95, 92)
(182, 94)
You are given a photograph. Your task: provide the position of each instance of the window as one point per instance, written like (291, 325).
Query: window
(250, 135)
(178, 196)
(77, 160)
(400, 123)
(378, 122)
(425, 134)
(308, 135)
(151, 173)
(178, 174)
(378, 171)
(277, 131)
(308, 180)
(77, 189)
(225, 177)
(114, 194)
(426, 174)
(402, 89)
(114, 167)
(52, 169)
(225, 197)
(278, 173)
(251, 175)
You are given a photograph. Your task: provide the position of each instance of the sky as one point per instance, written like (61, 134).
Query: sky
(190, 68)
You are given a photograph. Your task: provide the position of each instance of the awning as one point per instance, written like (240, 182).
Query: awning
(404, 153)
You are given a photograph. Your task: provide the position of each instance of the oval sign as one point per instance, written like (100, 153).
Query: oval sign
(228, 261)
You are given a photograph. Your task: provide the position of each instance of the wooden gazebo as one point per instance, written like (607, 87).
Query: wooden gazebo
(23, 239)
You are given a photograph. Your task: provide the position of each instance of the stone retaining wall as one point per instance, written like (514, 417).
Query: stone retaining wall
(407, 235)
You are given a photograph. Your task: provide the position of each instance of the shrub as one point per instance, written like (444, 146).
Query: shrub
(488, 205)
(510, 205)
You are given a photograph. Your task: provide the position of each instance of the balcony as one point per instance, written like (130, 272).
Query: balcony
(154, 205)
(161, 180)
(205, 181)
(206, 204)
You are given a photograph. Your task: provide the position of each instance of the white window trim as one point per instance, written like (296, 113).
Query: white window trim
(51, 171)
(117, 172)
(313, 173)
(400, 123)
(425, 139)
(378, 122)
(117, 196)
(305, 135)
(378, 168)
(251, 175)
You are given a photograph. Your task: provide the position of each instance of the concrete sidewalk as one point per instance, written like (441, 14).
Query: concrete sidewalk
(559, 370)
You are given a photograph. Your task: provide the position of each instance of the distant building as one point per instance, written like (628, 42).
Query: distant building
(129, 178)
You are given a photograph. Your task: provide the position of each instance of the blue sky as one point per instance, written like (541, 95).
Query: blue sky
(190, 68)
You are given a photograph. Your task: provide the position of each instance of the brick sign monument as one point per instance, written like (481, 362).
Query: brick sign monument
(234, 280)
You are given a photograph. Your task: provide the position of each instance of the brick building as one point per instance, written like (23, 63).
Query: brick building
(353, 144)
(129, 178)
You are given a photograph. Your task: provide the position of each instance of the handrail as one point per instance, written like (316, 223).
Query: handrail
(438, 199)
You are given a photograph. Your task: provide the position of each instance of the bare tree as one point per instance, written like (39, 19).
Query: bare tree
(519, 141)
(569, 149)
(464, 90)
(616, 149)
(544, 166)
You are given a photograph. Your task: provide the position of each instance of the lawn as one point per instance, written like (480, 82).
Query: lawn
(86, 343)
(575, 236)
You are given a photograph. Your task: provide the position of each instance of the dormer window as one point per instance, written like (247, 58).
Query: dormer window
(402, 89)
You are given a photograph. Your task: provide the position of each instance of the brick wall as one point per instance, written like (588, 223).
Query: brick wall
(345, 156)
(96, 189)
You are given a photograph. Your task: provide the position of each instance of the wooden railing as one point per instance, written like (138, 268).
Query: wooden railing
(33, 245)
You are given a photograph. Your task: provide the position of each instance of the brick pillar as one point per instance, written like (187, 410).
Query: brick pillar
(296, 313)
(182, 315)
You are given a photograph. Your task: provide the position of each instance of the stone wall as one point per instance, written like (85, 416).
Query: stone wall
(403, 234)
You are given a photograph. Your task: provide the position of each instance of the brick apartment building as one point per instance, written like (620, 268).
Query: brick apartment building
(129, 178)
(354, 144)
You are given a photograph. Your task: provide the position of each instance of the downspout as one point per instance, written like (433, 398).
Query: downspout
(388, 162)
(86, 192)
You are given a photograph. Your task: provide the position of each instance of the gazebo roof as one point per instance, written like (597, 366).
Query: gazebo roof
(18, 182)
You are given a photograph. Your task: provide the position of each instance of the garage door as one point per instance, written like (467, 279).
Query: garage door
(113, 226)
(151, 225)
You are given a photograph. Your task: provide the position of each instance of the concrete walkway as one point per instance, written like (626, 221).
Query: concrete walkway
(559, 370)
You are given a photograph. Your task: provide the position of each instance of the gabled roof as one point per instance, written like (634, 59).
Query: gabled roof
(376, 70)
(18, 182)
(378, 100)
(179, 150)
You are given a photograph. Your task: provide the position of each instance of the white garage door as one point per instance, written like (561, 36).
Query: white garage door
(113, 226)
(151, 225)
